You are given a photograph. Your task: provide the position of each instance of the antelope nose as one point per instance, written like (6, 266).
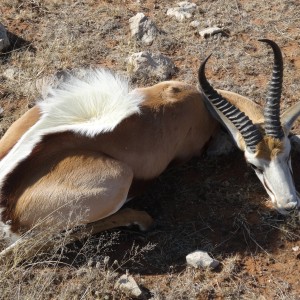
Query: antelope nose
(291, 205)
(288, 206)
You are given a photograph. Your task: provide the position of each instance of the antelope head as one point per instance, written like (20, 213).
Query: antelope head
(266, 145)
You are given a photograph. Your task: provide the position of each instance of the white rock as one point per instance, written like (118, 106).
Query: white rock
(9, 73)
(201, 259)
(142, 28)
(195, 24)
(184, 10)
(187, 6)
(296, 248)
(1, 110)
(205, 33)
(127, 284)
(151, 64)
(4, 41)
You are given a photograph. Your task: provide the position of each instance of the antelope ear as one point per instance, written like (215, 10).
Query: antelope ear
(290, 116)
(227, 124)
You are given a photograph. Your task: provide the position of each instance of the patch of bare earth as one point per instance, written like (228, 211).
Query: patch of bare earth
(215, 204)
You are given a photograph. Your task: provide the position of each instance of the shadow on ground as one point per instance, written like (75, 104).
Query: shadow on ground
(17, 43)
(208, 204)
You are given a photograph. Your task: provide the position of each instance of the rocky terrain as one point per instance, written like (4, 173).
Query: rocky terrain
(214, 204)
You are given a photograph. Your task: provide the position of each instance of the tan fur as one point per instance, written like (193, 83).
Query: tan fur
(17, 129)
(65, 168)
(269, 148)
(67, 172)
(247, 106)
(92, 177)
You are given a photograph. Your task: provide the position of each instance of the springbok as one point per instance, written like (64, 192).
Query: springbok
(90, 142)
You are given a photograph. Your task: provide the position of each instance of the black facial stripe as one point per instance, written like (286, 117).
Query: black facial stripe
(267, 187)
(290, 166)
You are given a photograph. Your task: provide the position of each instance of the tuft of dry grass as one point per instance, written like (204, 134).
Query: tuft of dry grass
(83, 270)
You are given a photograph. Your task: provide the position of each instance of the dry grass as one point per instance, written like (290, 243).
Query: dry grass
(82, 270)
(208, 204)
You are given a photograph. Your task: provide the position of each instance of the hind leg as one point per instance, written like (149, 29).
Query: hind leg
(80, 188)
(74, 188)
(124, 217)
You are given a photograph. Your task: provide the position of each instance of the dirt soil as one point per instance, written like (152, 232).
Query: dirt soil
(212, 203)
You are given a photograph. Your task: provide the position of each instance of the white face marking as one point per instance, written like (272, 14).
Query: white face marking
(276, 176)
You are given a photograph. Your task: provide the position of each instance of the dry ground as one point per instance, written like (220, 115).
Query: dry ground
(212, 204)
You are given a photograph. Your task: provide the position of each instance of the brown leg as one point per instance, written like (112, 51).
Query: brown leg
(123, 217)
(77, 189)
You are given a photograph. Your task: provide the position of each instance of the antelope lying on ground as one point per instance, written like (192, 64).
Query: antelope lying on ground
(88, 144)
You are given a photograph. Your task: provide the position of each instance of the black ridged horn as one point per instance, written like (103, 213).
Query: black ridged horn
(272, 108)
(248, 130)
